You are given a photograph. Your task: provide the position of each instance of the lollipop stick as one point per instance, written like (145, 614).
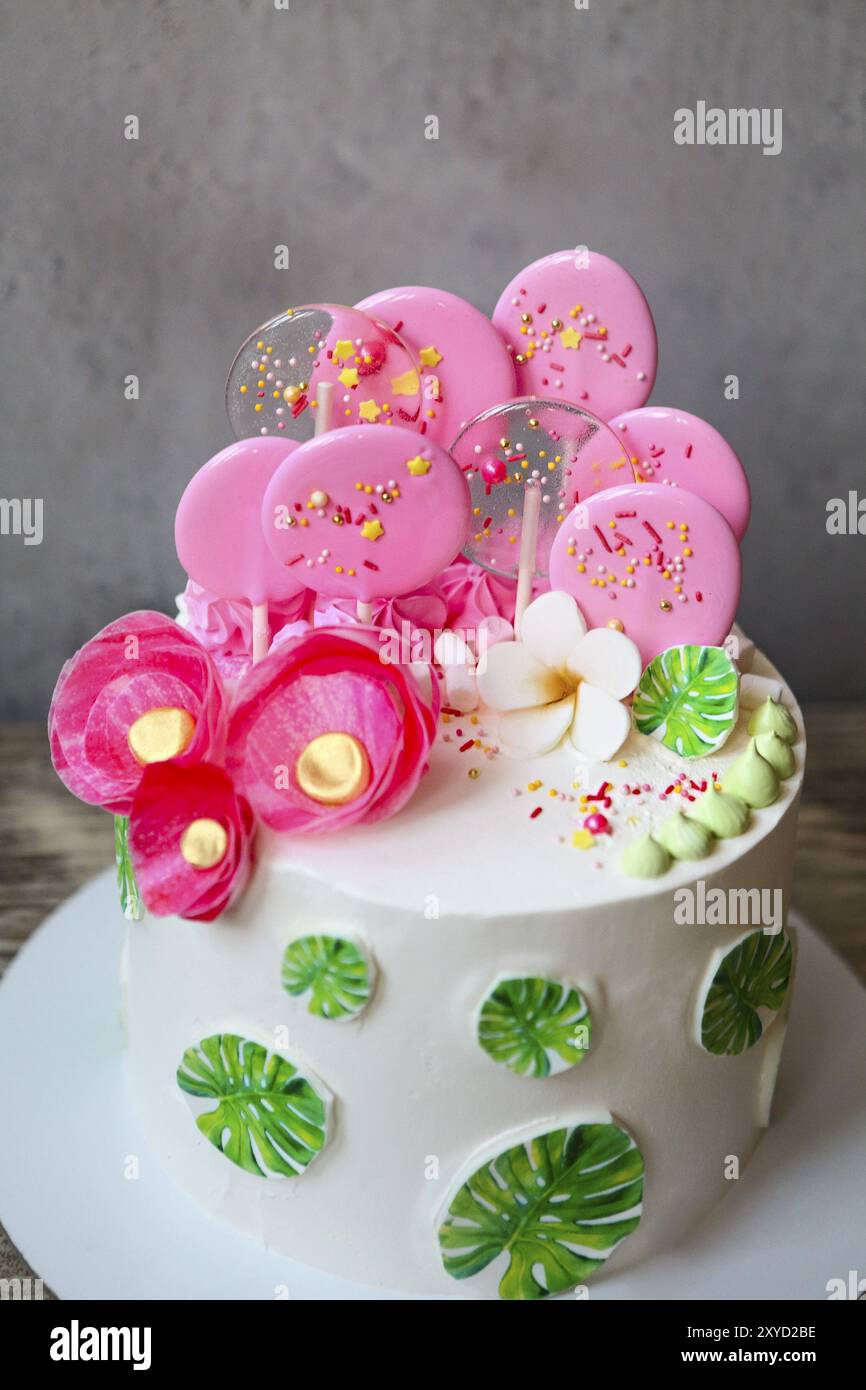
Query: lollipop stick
(528, 546)
(261, 631)
(325, 402)
(365, 612)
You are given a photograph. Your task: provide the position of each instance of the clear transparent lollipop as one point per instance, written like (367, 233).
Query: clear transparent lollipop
(569, 453)
(273, 382)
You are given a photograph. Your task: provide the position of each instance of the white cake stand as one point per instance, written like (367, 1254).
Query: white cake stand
(91, 1232)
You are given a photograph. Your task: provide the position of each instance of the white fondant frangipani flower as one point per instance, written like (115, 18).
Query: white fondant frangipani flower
(561, 679)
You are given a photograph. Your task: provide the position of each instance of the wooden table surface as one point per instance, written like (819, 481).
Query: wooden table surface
(50, 844)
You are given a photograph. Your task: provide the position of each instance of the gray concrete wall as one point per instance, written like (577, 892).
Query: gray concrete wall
(306, 127)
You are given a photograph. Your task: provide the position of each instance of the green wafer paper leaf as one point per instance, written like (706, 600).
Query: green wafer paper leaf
(557, 1205)
(754, 975)
(269, 1118)
(687, 698)
(332, 970)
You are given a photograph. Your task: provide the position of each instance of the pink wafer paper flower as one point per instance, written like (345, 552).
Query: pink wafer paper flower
(190, 840)
(325, 734)
(141, 691)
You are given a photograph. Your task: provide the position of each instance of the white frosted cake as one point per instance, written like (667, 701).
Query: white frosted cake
(457, 959)
(462, 890)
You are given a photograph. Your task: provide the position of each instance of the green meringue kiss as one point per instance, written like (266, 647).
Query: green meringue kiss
(645, 858)
(684, 839)
(722, 814)
(773, 718)
(777, 753)
(752, 779)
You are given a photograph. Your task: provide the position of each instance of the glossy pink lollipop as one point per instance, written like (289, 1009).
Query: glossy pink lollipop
(218, 533)
(658, 562)
(366, 513)
(273, 385)
(681, 450)
(580, 330)
(465, 365)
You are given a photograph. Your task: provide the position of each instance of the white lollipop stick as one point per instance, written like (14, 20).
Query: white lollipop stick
(325, 406)
(261, 631)
(528, 546)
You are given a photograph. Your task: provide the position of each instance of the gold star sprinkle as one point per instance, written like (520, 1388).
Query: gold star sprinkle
(430, 357)
(418, 466)
(369, 410)
(344, 348)
(372, 530)
(570, 338)
(405, 385)
(348, 376)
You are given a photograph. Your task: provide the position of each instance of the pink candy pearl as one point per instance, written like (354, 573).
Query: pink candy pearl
(376, 353)
(597, 824)
(493, 471)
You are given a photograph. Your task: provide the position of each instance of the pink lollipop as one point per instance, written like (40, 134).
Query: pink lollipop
(273, 385)
(658, 563)
(670, 446)
(581, 331)
(366, 513)
(465, 365)
(218, 533)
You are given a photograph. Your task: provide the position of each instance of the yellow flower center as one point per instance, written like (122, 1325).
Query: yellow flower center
(333, 769)
(204, 843)
(160, 734)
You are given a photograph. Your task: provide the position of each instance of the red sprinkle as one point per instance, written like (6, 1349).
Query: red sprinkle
(652, 531)
(619, 514)
(699, 596)
(626, 350)
(688, 451)
(603, 538)
(464, 747)
(556, 367)
(368, 564)
(623, 540)
(537, 812)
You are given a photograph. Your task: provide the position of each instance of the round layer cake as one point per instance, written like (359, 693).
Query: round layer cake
(497, 1064)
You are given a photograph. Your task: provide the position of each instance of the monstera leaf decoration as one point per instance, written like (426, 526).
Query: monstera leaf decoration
(556, 1205)
(687, 699)
(334, 972)
(268, 1119)
(534, 1026)
(752, 976)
